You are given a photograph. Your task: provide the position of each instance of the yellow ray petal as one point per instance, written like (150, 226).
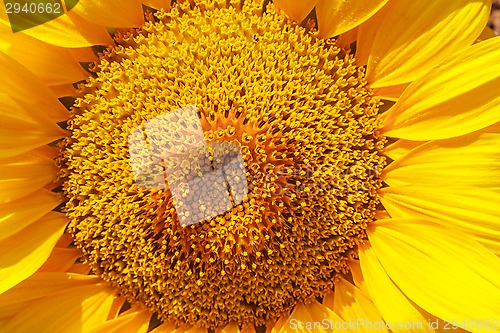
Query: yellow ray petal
(61, 259)
(38, 286)
(111, 13)
(297, 10)
(20, 213)
(23, 253)
(453, 207)
(487, 33)
(337, 16)
(314, 317)
(65, 240)
(19, 83)
(53, 65)
(392, 93)
(24, 174)
(443, 271)
(116, 307)
(355, 307)
(84, 54)
(367, 32)
(50, 152)
(63, 90)
(414, 36)
(328, 299)
(157, 4)
(67, 30)
(454, 99)
(164, 328)
(357, 276)
(79, 268)
(231, 328)
(278, 325)
(135, 322)
(401, 148)
(347, 37)
(469, 161)
(382, 214)
(23, 129)
(71, 310)
(248, 329)
(393, 305)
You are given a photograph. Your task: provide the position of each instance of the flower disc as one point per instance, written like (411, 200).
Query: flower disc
(301, 118)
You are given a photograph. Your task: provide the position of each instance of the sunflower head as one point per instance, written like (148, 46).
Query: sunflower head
(228, 166)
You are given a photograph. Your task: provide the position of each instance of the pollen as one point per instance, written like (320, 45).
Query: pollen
(305, 124)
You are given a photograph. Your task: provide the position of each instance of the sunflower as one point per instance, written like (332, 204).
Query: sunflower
(250, 166)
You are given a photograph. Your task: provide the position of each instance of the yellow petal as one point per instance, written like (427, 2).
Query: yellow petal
(111, 13)
(20, 133)
(164, 328)
(50, 152)
(20, 213)
(277, 326)
(347, 38)
(248, 329)
(357, 276)
(38, 286)
(19, 83)
(23, 253)
(458, 97)
(381, 214)
(231, 328)
(469, 161)
(79, 268)
(314, 317)
(328, 298)
(65, 240)
(52, 65)
(71, 310)
(63, 90)
(487, 33)
(135, 322)
(453, 207)
(84, 54)
(367, 32)
(354, 307)
(24, 174)
(415, 36)
(400, 148)
(297, 10)
(61, 259)
(338, 16)
(393, 305)
(443, 271)
(392, 93)
(157, 4)
(67, 30)
(116, 307)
